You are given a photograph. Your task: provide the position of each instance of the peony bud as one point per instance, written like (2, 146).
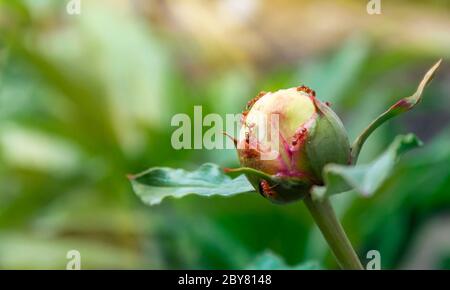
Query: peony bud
(305, 136)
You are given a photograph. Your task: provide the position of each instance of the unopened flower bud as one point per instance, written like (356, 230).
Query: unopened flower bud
(290, 136)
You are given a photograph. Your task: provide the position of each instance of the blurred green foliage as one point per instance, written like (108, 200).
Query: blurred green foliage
(87, 99)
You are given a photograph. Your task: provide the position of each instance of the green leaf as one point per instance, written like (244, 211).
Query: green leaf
(398, 108)
(367, 178)
(157, 183)
(270, 261)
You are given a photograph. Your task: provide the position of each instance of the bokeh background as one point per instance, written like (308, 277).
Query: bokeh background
(86, 99)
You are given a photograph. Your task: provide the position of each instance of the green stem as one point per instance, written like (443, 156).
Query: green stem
(334, 234)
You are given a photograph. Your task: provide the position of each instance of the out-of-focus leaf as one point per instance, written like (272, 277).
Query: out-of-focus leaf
(270, 261)
(155, 184)
(398, 108)
(366, 178)
(20, 251)
(201, 242)
(430, 246)
(347, 63)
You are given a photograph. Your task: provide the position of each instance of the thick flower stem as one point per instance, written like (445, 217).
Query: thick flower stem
(334, 234)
